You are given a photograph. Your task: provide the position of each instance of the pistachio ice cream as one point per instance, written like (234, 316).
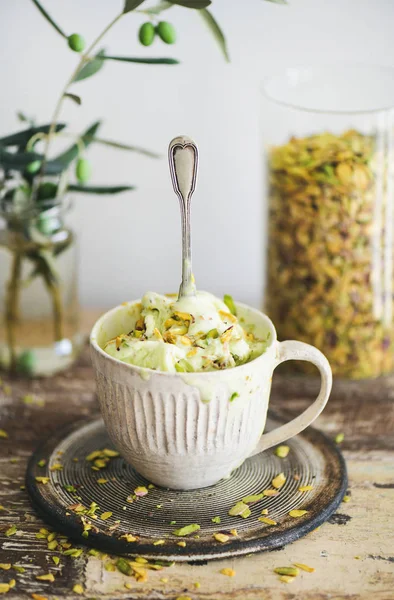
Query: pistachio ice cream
(195, 333)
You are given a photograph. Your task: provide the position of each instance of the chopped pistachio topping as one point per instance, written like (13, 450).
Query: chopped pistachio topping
(282, 451)
(339, 438)
(140, 491)
(270, 492)
(186, 530)
(234, 396)
(3, 434)
(78, 589)
(229, 302)
(292, 571)
(346, 499)
(215, 520)
(159, 542)
(191, 334)
(264, 511)
(5, 566)
(181, 544)
(304, 567)
(42, 462)
(4, 588)
(56, 560)
(297, 513)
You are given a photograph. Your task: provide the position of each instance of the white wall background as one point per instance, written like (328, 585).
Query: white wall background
(131, 243)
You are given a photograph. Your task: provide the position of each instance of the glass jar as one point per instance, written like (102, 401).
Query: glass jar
(39, 327)
(329, 136)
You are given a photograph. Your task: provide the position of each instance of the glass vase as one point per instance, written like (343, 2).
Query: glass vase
(329, 136)
(39, 331)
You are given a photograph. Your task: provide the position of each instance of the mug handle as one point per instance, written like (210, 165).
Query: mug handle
(293, 350)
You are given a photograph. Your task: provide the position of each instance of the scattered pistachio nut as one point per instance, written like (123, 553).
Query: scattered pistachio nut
(46, 577)
(286, 578)
(297, 513)
(186, 530)
(282, 451)
(221, 537)
(228, 572)
(305, 488)
(240, 509)
(304, 567)
(279, 481)
(292, 571)
(11, 531)
(252, 498)
(267, 521)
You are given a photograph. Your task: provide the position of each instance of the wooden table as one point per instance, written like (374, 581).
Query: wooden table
(353, 554)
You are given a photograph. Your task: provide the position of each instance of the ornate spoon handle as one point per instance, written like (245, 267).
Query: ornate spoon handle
(183, 161)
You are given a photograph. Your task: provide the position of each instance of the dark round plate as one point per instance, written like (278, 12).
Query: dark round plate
(313, 460)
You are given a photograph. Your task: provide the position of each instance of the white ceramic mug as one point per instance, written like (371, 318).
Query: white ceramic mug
(189, 430)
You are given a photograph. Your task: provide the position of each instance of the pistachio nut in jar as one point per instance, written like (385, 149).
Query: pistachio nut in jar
(330, 253)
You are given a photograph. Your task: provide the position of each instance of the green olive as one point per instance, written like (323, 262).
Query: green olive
(26, 362)
(33, 167)
(166, 32)
(76, 42)
(146, 34)
(83, 170)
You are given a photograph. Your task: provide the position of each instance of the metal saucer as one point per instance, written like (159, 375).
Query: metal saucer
(313, 460)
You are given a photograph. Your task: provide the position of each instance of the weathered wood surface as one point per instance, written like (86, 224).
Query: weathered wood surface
(362, 528)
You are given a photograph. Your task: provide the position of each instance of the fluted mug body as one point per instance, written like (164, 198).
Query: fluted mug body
(188, 430)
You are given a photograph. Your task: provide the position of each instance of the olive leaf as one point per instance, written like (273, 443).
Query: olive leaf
(22, 137)
(130, 5)
(91, 67)
(71, 154)
(146, 61)
(120, 146)
(49, 18)
(74, 97)
(155, 10)
(17, 160)
(217, 33)
(100, 189)
(192, 3)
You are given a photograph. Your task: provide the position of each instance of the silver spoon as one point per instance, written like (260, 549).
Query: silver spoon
(183, 161)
